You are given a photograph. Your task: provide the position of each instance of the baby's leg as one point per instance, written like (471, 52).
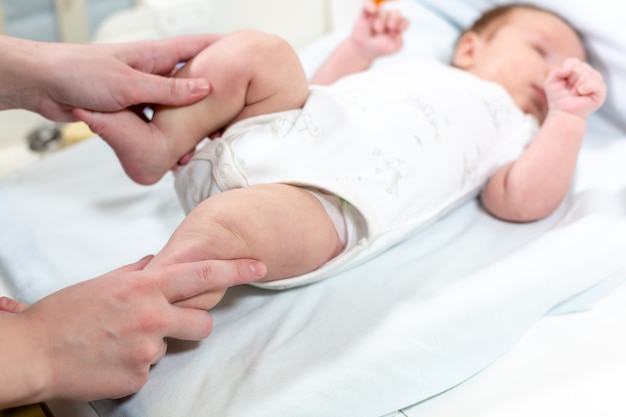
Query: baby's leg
(250, 72)
(284, 226)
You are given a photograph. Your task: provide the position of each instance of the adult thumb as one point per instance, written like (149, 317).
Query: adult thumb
(173, 91)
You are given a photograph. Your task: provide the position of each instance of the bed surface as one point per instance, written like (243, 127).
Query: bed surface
(565, 365)
(418, 320)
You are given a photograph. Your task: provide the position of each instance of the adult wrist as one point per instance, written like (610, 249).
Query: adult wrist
(19, 77)
(23, 363)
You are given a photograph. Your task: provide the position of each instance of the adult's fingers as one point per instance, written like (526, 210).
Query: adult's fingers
(114, 127)
(162, 351)
(189, 324)
(160, 57)
(153, 62)
(204, 301)
(182, 281)
(9, 305)
(135, 266)
(169, 91)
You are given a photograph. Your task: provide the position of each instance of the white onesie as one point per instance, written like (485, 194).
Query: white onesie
(400, 145)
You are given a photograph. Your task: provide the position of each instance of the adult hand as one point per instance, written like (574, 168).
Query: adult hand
(10, 306)
(53, 79)
(117, 76)
(99, 338)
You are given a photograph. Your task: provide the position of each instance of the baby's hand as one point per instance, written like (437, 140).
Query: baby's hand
(575, 88)
(378, 31)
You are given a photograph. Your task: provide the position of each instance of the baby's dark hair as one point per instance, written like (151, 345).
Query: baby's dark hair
(491, 20)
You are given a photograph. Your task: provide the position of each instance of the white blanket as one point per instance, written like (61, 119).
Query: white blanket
(416, 321)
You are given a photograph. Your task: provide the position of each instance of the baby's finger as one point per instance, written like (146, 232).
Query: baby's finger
(565, 71)
(370, 8)
(560, 73)
(592, 87)
(396, 23)
(575, 77)
(571, 63)
(377, 24)
(588, 88)
(586, 78)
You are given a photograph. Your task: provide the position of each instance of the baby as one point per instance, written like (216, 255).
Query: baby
(311, 179)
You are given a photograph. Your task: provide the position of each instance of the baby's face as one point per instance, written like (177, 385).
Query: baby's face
(521, 53)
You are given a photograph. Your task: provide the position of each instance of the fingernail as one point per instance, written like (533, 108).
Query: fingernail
(258, 269)
(198, 86)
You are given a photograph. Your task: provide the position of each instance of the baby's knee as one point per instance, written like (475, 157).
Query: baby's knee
(210, 231)
(257, 45)
(241, 54)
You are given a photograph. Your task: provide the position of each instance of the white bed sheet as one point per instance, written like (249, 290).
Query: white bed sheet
(566, 365)
(418, 320)
(412, 323)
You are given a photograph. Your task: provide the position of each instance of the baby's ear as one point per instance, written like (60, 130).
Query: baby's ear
(465, 50)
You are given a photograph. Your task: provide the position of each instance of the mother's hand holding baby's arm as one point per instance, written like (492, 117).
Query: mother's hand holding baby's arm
(11, 306)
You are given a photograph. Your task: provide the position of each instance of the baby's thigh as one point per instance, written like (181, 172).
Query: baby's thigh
(277, 80)
(284, 226)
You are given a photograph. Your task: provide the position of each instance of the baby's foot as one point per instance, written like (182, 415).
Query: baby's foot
(146, 158)
(143, 149)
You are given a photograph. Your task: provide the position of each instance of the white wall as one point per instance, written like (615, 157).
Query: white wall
(299, 21)
(56, 20)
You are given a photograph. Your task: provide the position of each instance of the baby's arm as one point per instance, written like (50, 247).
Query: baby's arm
(533, 186)
(377, 32)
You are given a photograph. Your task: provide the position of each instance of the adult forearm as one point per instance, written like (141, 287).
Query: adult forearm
(17, 85)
